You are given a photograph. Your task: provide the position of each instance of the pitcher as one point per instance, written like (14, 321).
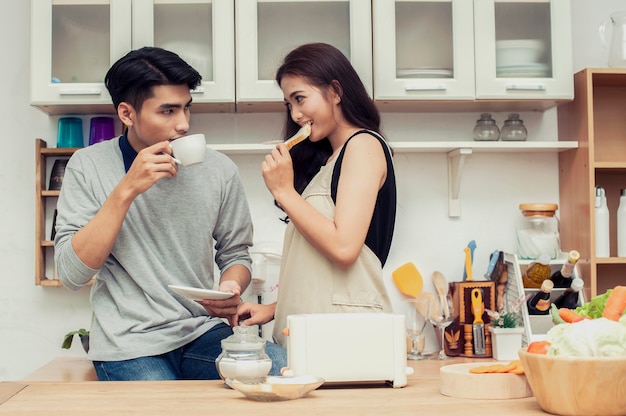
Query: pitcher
(617, 47)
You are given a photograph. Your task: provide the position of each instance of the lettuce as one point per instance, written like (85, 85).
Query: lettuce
(594, 308)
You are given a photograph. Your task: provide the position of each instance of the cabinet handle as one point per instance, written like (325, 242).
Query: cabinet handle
(79, 91)
(439, 87)
(199, 90)
(535, 87)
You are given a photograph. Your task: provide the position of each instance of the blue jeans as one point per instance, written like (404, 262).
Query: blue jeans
(194, 361)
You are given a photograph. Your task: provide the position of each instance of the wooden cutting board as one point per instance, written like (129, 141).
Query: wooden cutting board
(457, 381)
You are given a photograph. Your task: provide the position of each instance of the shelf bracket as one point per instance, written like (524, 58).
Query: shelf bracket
(456, 159)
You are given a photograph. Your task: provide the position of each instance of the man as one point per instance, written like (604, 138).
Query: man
(132, 218)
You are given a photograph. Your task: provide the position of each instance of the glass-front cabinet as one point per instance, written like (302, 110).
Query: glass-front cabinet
(423, 50)
(266, 30)
(480, 50)
(74, 42)
(523, 49)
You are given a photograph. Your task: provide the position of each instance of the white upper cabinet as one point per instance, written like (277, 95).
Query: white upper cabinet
(417, 55)
(269, 29)
(479, 54)
(423, 50)
(74, 42)
(202, 32)
(523, 49)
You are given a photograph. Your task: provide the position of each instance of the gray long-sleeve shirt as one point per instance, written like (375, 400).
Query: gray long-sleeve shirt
(167, 238)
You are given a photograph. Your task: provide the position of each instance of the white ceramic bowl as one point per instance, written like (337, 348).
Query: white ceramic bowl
(577, 385)
(520, 52)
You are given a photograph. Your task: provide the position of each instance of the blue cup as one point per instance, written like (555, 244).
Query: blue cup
(70, 132)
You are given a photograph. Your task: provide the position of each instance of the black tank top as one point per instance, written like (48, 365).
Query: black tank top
(380, 232)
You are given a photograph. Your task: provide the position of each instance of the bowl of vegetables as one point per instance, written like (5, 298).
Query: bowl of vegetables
(580, 368)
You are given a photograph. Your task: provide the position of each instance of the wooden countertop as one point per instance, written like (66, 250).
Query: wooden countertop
(420, 396)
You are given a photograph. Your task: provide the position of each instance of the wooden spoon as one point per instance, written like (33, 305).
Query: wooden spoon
(441, 285)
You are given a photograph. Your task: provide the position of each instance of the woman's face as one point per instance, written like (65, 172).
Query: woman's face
(308, 103)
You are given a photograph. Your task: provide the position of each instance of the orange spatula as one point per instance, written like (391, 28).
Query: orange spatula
(408, 279)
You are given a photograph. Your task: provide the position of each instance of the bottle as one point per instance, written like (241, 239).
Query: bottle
(563, 278)
(621, 225)
(570, 296)
(537, 272)
(602, 224)
(539, 304)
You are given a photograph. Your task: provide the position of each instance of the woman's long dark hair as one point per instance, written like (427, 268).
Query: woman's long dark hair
(323, 65)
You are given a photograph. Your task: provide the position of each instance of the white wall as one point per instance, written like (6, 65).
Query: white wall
(34, 319)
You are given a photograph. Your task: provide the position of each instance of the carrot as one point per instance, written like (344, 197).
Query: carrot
(615, 304)
(514, 367)
(539, 347)
(568, 315)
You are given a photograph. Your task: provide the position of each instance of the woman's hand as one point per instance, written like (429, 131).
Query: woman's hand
(255, 314)
(277, 170)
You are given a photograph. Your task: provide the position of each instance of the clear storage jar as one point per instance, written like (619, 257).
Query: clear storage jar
(243, 356)
(537, 231)
(486, 128)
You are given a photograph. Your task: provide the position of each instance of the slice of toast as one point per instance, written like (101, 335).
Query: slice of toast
(302, 134)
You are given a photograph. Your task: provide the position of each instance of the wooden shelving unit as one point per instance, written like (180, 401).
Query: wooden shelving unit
(596, 119)
(44, 256)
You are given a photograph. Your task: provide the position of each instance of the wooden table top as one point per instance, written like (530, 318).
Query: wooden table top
(420, 396)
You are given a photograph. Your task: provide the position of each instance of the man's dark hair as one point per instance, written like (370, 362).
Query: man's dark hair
(132, 77)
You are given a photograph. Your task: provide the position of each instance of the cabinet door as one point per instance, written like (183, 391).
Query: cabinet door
(423, 50)
(73, 44)
(524, 49)
(201, 32)
(266, 30)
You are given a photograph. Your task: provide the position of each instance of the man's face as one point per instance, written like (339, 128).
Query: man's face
(164, 116)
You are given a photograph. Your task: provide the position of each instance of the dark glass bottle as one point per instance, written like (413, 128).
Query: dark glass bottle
(539, 304)
(563, 278)
(570, 296)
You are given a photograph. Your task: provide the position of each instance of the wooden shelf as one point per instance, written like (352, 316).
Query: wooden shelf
(425, 147)
(44, 248)
(595, 118)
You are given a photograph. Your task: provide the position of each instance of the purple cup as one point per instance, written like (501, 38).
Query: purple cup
(101, 129)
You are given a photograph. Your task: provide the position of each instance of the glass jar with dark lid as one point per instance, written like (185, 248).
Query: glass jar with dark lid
(486, 128)
(513, 129)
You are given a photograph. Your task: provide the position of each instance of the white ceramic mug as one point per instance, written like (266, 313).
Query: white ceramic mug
(189, 150)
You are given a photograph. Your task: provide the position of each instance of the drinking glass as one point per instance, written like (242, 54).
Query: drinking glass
(416, 312)
(440, 314)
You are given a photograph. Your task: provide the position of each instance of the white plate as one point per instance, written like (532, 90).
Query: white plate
(200, 294)
(271, 389)
(424, 73)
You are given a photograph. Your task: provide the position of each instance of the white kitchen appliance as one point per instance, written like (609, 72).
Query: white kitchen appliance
(349, 347)
(263, 288)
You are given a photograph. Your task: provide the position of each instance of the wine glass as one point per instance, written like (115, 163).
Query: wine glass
(441, 315)
(415, 319)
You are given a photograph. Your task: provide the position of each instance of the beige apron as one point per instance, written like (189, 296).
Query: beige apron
(310, 283)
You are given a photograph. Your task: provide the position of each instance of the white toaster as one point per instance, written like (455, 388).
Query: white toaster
(349, 347)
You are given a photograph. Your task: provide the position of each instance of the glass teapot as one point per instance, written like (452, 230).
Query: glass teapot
(243, 355)
(617, 51)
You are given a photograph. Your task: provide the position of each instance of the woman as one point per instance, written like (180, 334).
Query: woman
(337, 188)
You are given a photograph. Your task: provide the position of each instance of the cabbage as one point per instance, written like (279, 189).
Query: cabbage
(589, 338)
